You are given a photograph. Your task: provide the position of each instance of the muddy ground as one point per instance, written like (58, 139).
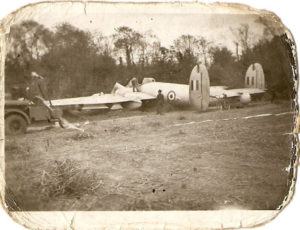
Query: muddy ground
(182, 160)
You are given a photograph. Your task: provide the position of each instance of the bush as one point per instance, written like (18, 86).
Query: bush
(67, 178)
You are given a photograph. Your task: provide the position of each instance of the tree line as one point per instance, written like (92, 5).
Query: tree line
(75, 62)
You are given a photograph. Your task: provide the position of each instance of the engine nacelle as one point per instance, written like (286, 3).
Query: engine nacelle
(245, 98)
(131, 105)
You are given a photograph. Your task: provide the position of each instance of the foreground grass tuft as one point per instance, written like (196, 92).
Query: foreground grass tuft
(82, 136)
(67, 178)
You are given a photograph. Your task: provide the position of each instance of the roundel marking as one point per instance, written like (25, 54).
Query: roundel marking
(171, 97)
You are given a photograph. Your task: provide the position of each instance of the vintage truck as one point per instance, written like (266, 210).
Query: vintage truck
(19, 114)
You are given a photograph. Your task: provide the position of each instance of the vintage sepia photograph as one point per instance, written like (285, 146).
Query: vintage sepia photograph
(148, 108)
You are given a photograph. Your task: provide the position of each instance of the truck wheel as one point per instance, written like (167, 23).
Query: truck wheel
(15, 124)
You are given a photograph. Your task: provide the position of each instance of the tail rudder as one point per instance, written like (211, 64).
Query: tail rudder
(255, 77)
(199, 88)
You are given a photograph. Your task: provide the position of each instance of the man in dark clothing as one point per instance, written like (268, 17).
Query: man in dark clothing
(224, 102)
(35, 88)
(160, 103)
(134, 83)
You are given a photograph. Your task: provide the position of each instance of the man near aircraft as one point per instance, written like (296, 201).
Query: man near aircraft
(224, 102)
(134, 83)
(36, 87)
(160, 102)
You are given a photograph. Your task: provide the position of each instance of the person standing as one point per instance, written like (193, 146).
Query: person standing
(134, 83)
(224, 102)
(159, 102)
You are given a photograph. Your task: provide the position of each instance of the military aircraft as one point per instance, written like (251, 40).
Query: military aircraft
(123, 97)
(183, 94)
(198, 93)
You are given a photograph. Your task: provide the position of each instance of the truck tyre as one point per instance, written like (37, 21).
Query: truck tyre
(15, 124)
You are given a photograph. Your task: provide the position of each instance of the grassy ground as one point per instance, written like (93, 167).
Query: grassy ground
(143, 161)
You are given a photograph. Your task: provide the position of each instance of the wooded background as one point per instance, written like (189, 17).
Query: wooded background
(75, 62)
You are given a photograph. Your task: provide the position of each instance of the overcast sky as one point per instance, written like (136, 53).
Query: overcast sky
(165, 25)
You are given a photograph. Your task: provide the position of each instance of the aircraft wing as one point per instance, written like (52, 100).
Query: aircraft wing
(140, 96)
(250, 91)
(101, 101)
(219, 91)
(94, 99)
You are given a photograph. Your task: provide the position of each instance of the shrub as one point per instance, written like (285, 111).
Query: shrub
(67, 178)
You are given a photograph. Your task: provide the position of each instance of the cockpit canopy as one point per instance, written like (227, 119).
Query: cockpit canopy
(148, 79)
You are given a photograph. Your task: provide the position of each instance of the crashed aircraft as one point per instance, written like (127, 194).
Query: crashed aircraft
(198, 93)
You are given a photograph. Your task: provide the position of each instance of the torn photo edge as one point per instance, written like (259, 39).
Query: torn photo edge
(157, 219)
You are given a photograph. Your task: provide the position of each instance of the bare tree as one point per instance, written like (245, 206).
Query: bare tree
(204, 48)
(30, 39)
(149, 48)
(243, 37)
(237, 50)
(103, 43)
(186, 44)
(127, 41)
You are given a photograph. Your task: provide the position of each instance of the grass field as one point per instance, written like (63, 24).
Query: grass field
(182, 160)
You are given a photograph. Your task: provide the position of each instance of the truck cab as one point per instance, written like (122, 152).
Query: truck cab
(19, 114)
